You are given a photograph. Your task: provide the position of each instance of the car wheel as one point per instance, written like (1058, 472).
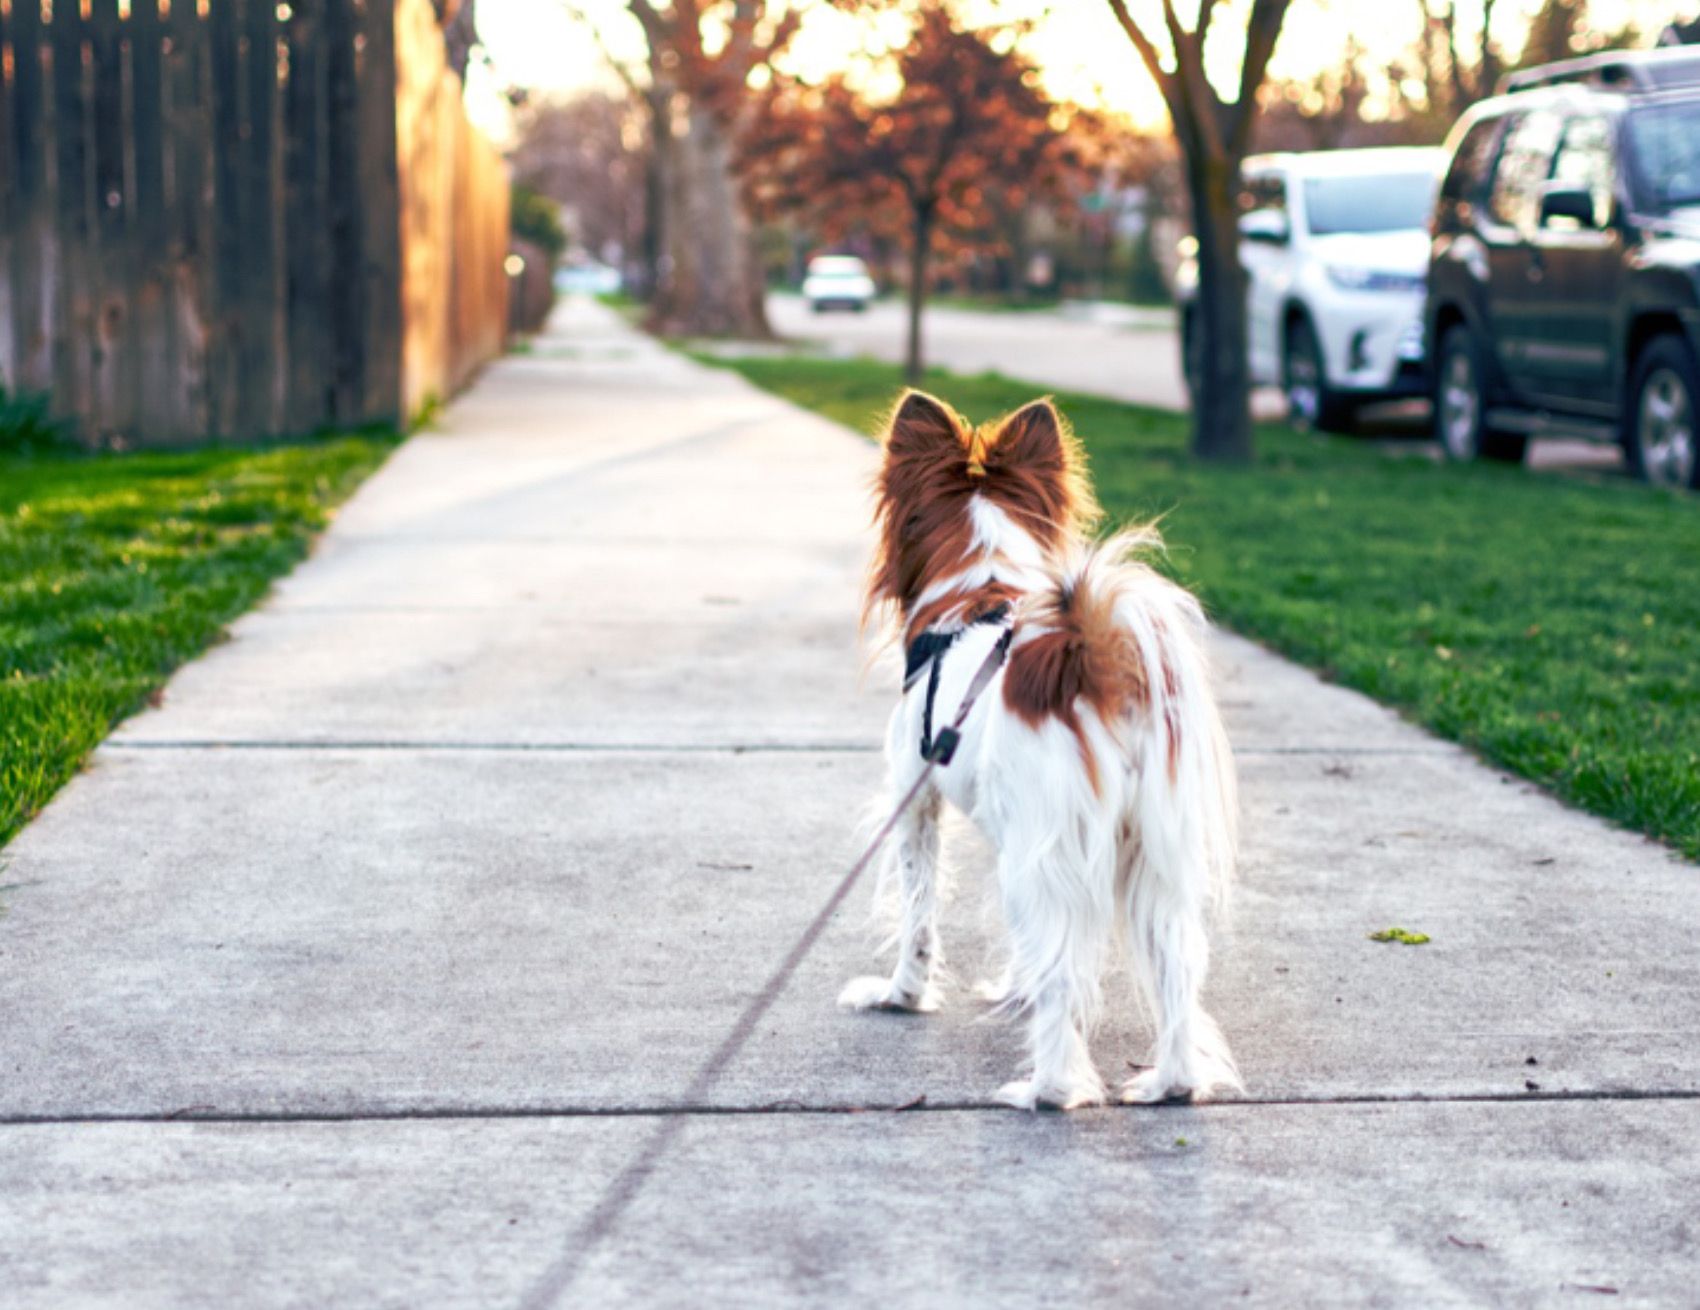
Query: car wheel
(1460, 406)
(1312, 405)
(1660, 442)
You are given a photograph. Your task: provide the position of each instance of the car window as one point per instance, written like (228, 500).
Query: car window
(1264, 191)
(837, 266)
(1585, 160)
(1664, 144)
(1376, 202)
(1524, 165)
(1472, 162)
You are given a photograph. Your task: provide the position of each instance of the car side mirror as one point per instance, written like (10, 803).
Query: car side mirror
(1568, 202)
(1266, 226)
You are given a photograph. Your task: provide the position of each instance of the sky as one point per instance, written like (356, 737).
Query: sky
(1078, 44)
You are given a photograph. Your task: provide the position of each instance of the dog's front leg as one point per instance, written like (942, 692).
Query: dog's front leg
(915, 856)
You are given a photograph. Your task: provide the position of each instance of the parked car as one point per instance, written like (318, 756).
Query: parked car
(837, 282)
(1564, 277)
(1335, 247)
(589, 276)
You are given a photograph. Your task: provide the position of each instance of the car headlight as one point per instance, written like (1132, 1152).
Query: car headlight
(1350, 278)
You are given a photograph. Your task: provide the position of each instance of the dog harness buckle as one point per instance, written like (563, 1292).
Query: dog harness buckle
(943, 748)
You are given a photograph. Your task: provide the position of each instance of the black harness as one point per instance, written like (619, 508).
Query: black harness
(929, 649)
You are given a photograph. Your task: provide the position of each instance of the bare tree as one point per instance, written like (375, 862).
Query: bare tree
(591, 156)
(696, 86)
(1213, 136)
(1454, 75)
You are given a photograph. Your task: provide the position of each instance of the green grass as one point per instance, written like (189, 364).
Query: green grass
(1550, 623)
(116, 569)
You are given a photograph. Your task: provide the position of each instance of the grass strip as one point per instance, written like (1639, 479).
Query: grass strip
(1552, 624)
(115, 569)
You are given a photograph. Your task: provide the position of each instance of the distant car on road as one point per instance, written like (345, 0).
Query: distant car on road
(837, 282)
(1564, 283)
(1335, 248)
(589, 276)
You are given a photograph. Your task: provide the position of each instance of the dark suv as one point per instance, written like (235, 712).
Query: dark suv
(1564, 277)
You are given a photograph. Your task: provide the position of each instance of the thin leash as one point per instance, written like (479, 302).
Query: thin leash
(560, 1277)
(938, 751)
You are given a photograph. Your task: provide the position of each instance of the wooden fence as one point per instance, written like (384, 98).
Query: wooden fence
(234, 219)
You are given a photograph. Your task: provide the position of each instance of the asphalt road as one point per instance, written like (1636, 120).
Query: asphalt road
(1107, 350)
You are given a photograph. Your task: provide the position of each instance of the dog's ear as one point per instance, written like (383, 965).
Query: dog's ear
(1032, 437)
(923, 424)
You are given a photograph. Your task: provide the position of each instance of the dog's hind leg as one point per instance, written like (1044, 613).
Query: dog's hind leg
(1171, 953)
(1056, 936)
(915, 857)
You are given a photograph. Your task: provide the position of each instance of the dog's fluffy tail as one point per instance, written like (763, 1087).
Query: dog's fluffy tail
(1119, 657)
(1119, 639)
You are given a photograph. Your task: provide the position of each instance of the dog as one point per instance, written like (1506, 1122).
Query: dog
(1095, 761)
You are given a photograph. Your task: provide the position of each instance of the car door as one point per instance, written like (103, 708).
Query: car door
(1266, 263)
(1516, 291)
(1571, 323)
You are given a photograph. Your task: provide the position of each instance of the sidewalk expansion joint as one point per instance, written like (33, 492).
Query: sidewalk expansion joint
(801, 1109)
(665, 748)
(1433, 748)
(510, 747)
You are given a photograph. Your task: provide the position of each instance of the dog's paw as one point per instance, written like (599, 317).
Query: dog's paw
(1031, 1094)
(880, 994)
(1154, 1087)
(995, 991)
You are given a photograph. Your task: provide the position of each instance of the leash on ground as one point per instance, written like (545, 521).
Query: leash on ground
(560, 1277)
(938, 751)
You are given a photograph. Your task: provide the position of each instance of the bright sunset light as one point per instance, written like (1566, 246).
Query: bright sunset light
(1085, 55)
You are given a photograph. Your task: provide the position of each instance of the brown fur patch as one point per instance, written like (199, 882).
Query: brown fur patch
(1081, 654)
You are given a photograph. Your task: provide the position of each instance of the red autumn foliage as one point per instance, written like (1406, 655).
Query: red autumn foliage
(968, 139)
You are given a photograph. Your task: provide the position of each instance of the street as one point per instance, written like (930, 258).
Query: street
(1119, 351)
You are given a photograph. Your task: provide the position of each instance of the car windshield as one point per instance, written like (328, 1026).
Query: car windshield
(1664, 144)
(838, 266)
(1371, 202)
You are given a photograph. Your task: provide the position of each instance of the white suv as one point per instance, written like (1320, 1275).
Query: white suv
(1335, 247)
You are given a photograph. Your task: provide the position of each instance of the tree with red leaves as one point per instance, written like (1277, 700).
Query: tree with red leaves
(1213, 136)
(968, 137)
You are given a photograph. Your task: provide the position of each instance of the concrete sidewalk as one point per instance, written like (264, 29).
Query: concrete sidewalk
(429, 947)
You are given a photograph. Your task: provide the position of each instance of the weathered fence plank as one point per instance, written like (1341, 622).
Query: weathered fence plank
(310, 399)
(150, 309)
(74, 272)
(182, 402)
(378, 218)
(259, 298)
(34, 241)
(211, 224)
(8, 184)
(112, 359)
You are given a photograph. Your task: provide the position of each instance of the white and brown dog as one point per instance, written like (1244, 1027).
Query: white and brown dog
(1095, 761)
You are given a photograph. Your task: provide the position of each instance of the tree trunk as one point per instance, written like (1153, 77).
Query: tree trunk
(1221, 415)
(709, 280)
(656, 178)
(919, 253)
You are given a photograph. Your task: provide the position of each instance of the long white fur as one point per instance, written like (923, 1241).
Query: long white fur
(1135, 865)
